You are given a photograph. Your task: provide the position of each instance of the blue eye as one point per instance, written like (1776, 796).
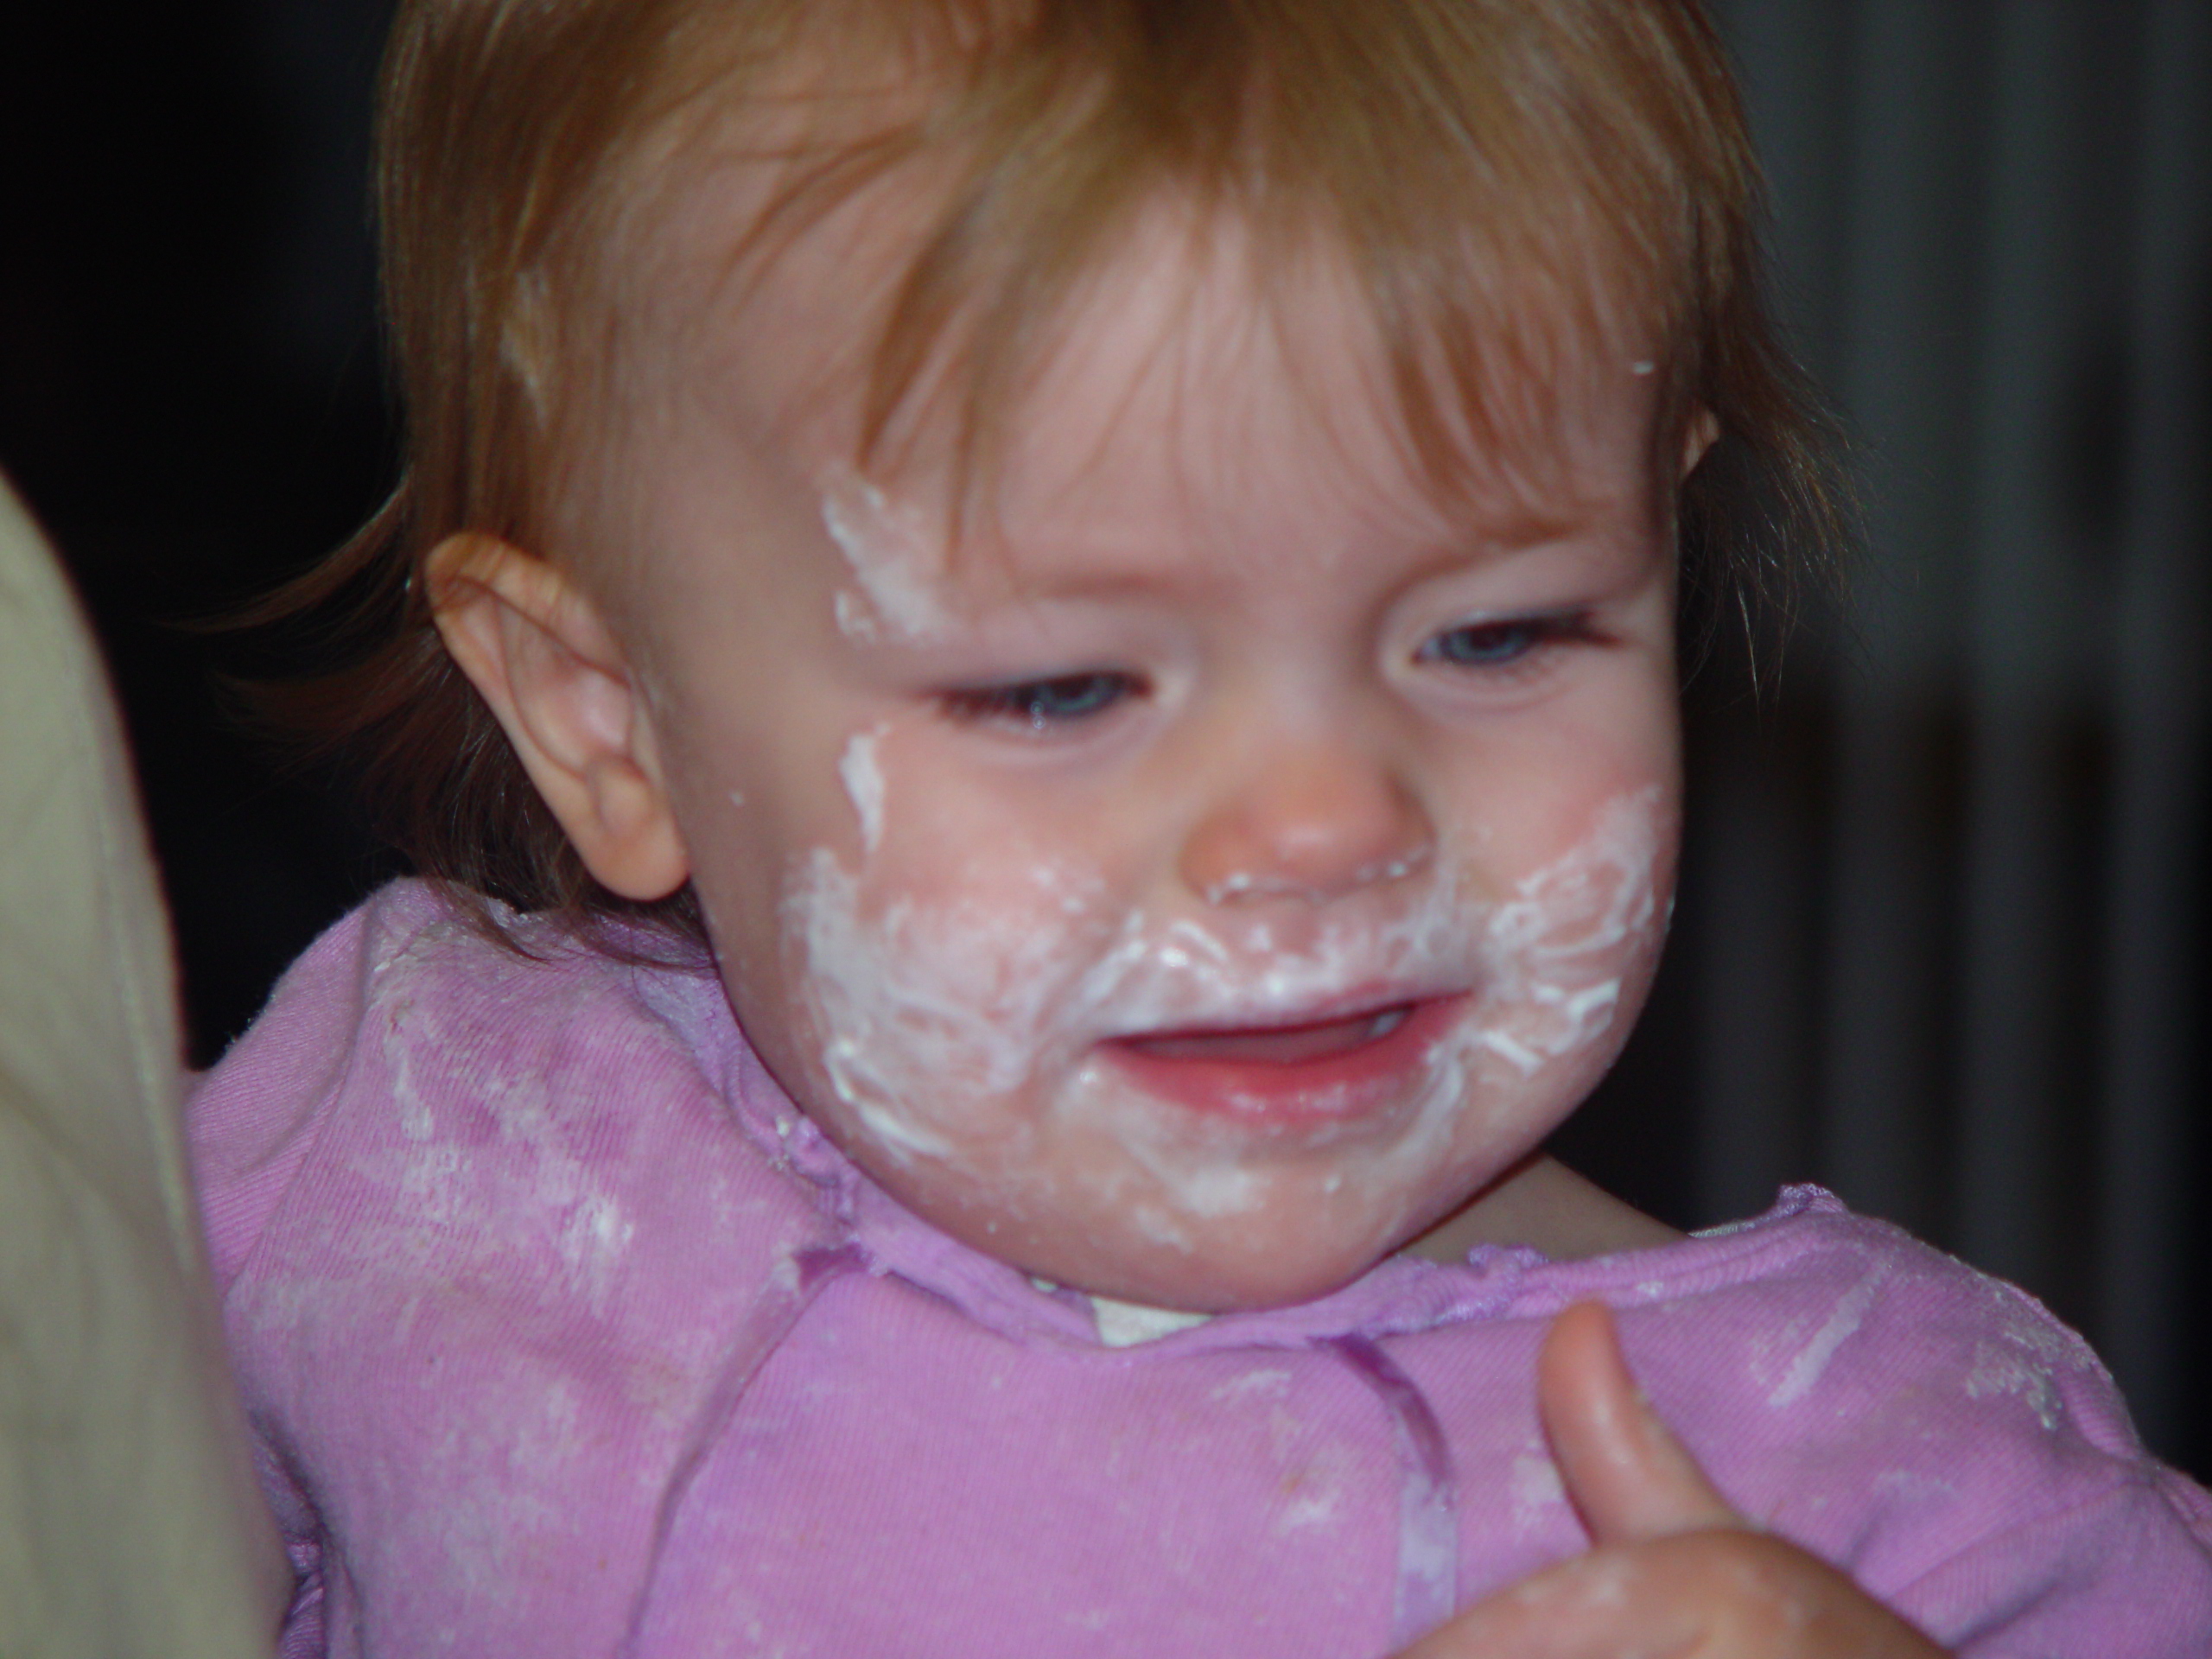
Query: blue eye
(1042, 704)
(1488, 644)
(1500, 645)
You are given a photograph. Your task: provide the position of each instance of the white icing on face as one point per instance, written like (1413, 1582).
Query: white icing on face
(1241, 884)
(863, 780)
(969, 1030)
(888, 547)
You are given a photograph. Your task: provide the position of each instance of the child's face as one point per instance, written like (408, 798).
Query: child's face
(1223, 862)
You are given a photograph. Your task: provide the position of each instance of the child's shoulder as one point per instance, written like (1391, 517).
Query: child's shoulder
(1935, 1430)
(416, 1058)
(408, 944)
(408, 962)
(1815, 1314)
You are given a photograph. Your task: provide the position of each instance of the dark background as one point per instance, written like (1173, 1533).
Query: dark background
(1942, 943)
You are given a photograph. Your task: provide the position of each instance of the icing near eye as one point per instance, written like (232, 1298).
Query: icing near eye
(1040, 705)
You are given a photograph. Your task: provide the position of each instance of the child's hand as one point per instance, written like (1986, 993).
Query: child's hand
(1673, 1572)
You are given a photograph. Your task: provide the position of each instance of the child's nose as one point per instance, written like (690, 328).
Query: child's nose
(1313, 826)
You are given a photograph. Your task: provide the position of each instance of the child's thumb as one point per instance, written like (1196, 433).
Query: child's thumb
(1624, 1469)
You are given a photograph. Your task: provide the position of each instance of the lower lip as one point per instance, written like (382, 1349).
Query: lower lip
(1357, 1081)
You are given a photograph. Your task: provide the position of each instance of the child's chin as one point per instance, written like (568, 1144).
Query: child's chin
(1220, 1236)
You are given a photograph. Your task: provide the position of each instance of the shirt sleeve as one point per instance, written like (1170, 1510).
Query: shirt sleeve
(2127, 1575)
(252, 1121)
(251, 1124)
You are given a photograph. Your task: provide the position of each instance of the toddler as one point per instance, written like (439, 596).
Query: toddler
(1030, 645)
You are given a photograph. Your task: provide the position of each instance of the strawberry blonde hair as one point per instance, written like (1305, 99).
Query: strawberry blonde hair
(1476, 163)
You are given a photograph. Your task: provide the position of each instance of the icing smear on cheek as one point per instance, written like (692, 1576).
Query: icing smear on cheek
(969, 1029)
(862, 776)
(1556, 944)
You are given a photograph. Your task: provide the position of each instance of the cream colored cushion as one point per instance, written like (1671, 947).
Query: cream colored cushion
(129, 1523)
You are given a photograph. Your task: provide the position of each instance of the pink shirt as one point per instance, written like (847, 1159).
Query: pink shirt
(562, 1331)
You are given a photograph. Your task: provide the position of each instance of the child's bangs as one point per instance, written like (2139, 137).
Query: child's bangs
(1523, 195)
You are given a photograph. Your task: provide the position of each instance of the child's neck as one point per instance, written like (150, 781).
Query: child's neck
(1543, 1204)
(1540, 1202)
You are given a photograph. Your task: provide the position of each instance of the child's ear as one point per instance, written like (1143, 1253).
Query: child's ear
(537, 648)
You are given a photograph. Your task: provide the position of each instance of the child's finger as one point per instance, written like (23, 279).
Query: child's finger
(1624, 1471)
(1717, 1593)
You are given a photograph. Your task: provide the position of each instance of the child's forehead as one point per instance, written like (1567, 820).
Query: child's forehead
(1193, 345)
(1193, 365)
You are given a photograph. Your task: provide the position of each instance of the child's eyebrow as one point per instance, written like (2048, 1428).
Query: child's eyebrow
(1454, 541)
(1475, 529)
(1529, 527)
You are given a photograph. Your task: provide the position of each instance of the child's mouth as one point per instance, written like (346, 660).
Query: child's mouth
(1332, 1069)
(1278, 1044)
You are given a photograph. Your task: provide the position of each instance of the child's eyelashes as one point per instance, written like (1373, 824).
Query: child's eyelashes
(1510, 643)
(1507, 647)
(1044, 705)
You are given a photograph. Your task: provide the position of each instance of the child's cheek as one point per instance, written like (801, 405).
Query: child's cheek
(1567, 948)
(860, 770)
(933, 959)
